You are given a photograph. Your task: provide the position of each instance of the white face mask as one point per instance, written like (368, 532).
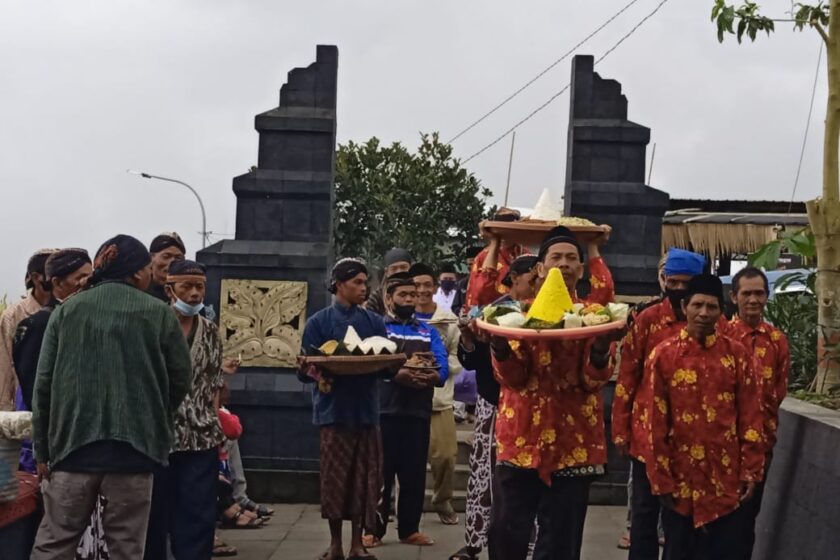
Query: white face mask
(186, 309)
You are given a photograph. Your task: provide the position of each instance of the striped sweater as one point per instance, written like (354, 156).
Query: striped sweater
(114, 365)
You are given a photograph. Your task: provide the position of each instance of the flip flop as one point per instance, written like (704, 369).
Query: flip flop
(449, 518)
(221, 549)
(371, 541)
(418, 539)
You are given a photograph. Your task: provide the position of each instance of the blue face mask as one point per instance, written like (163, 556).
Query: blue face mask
(186, 309)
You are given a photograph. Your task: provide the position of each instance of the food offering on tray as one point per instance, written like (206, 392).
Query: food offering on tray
(546, 215)
(553, 309)
(353, 345)
(422, 360)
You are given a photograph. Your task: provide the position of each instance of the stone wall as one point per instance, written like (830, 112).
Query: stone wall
(800, 515)
(605, 178)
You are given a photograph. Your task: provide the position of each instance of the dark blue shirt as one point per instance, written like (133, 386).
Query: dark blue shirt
(351, 400)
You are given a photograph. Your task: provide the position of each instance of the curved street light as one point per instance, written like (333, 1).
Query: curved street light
(192, 190)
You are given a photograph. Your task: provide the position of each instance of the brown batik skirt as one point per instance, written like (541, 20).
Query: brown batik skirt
(351, 473)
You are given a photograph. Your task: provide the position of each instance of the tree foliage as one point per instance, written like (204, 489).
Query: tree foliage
(387, 197)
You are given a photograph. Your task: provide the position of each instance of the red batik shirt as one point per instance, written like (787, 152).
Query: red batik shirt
(772, 355)
(485, 286)
(632, 395)
(551, 414)
(706, 424)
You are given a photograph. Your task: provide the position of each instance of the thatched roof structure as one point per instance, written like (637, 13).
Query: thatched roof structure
(723, 233)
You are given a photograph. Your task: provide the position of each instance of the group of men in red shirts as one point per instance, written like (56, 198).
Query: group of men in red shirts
(695, 407)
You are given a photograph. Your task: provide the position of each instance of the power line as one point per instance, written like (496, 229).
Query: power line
(567, 86)
(807, 127)
(541, 74)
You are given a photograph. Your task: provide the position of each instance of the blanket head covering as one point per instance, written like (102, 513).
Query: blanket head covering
(119, 258)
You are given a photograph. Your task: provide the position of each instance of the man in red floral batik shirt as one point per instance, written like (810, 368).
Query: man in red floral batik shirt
(770, 349)
(630, 426)
(550, 423)
(707, 429)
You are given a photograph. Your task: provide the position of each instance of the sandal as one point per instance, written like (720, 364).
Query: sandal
(234, 522)
(466, 553)
(370, 541)
(449, 518)
(221, 549)
(624, 541)
(418, 539)
(259, 509)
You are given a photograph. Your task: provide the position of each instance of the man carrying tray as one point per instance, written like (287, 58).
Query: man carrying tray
(346, 409)
(630, 421)
(406, 410)
(550, 424)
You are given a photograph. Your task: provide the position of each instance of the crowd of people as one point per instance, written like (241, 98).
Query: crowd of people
(695, 408)
(138, 455)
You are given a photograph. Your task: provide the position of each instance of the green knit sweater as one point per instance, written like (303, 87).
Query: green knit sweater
(114, 365)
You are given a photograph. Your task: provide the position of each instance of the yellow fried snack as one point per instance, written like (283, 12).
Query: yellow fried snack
(329, 347)
(553, 301)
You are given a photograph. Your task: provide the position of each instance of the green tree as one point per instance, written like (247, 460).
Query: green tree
(824, 212)
(387, 197)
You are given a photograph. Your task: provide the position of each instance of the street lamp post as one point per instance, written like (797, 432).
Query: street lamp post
(192, 190)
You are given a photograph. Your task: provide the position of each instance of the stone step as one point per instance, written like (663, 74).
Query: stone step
(459, 482)
(459, 501)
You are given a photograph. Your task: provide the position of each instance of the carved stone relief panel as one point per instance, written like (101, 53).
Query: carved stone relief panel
(263, 320)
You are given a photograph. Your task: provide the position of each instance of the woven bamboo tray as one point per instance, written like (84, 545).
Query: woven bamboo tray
(532, 233)
(579, 333)
(357, 365)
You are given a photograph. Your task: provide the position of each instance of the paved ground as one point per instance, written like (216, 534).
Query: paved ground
(297, 532)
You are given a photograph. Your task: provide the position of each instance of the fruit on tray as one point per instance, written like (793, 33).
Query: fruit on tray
(354, 345)
(514, 314)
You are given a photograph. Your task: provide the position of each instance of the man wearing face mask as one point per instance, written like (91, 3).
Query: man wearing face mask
(396, 260)
(447, 286)
(630, 422)
(405, 414)
(184, 496)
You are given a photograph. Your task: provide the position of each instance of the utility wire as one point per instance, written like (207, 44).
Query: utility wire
(567, 86)
(541, 74)
(807, 127)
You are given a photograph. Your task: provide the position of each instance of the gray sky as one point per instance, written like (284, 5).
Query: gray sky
(91, 88)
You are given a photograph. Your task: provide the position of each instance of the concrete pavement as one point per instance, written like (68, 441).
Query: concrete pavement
(297, 532)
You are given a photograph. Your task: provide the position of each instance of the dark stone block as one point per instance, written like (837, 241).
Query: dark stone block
(283, 232)
(605, 175)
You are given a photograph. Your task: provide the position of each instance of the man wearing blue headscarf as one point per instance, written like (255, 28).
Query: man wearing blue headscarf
(630, 423)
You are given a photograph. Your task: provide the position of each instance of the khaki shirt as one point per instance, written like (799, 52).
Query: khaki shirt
(13, 315)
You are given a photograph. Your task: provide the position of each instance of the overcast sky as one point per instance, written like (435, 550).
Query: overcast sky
(91, 88)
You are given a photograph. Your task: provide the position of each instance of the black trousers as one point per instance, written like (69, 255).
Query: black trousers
(405, 450)
(519, 496)
(184, 507)
(721, 539)
(644, 534)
